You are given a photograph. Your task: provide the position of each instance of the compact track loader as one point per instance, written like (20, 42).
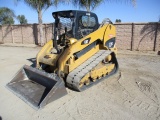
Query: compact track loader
(81, 54)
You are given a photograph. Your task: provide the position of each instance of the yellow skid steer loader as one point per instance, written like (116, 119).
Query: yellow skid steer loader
(81, 54)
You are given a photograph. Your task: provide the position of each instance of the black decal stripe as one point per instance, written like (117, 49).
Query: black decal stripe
(85, 50)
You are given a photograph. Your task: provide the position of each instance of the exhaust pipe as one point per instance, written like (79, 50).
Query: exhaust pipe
(37, 88)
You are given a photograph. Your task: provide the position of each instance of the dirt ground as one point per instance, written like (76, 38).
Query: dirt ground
(132, 94)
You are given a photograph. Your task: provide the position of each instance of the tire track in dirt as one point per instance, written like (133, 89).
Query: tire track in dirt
(112, 99)
(120, 97)
(139, 106)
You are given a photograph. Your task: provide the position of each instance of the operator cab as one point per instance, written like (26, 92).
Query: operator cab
(75, 24)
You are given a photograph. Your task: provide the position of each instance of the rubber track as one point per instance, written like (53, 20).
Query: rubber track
(74, 77)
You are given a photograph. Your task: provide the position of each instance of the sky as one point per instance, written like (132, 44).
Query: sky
(144, 11)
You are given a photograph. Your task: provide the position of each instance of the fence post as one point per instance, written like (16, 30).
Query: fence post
(22, 34)
(155, 38)
(45, 34)
(2, 33)
(12, 34)
(132, 38)
(35, 33)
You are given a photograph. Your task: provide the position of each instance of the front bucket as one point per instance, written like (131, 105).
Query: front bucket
(37, 88)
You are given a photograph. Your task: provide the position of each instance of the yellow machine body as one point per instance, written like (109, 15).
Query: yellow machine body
(66, 62)
(74, 61)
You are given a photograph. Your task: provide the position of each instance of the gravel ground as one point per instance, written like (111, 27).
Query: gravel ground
(133, 93)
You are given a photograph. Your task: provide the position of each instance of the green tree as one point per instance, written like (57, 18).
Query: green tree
(22, 19)
(118, 21)
(92, 4)
(87, 4)
(40, 6)
(6, 16)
